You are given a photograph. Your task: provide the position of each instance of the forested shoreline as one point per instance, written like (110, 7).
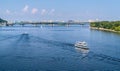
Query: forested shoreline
(106, 25)
(3, 22)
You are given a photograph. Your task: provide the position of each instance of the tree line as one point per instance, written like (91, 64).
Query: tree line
(112, 25)
(2, 21)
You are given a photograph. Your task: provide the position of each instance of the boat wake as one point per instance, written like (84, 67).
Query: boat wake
(103, 58)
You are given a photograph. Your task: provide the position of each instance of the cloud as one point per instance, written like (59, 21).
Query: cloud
(43, 11)
(25, 9)
(8, 11)
(52, 11)
(34, 10)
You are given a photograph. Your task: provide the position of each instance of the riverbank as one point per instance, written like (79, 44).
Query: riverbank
(111, 26)
(103, 29)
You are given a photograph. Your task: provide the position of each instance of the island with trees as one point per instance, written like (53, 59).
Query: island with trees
(113, 26)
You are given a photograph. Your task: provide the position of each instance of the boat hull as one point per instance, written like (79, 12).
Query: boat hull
(82, 47)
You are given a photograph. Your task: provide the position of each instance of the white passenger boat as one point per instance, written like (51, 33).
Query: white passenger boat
(25, 33)
(82, 45)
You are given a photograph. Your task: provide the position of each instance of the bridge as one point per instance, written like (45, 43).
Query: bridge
(46, 23)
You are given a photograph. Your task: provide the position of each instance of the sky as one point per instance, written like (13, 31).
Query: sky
(59, 10)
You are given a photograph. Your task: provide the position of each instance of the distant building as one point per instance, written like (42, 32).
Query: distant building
(70, 21)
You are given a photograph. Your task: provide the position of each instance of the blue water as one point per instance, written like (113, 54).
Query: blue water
(47, 48)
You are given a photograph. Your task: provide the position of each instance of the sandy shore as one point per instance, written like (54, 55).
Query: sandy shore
(103, 29)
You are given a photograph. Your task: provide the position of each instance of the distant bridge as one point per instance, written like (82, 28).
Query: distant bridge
(47, 23)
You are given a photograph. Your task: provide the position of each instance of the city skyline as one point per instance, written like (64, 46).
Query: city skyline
(38, 10)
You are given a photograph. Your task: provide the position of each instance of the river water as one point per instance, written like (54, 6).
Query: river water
(47, 48)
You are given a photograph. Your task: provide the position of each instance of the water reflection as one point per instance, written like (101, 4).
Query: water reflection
(84, 52)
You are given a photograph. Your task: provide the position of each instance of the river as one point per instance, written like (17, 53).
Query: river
(51, 48)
